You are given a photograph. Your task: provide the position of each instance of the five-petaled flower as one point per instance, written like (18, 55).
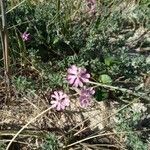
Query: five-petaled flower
(77, 76)
(59, 100)
(86, 96)
(25, 36)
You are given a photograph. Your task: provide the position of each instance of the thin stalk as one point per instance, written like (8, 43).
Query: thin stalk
(105, 134)
(25, 133)
(26, 125)
(4, 37)
(16, 6)
(124, 90)
(58, 8)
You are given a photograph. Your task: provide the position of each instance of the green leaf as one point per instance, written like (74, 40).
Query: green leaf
(106, 79)
(56, 40)
(108, 61)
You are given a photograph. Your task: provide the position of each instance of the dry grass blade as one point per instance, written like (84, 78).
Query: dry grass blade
(4, 40)
(25, 133)
(14, 7)
(32, 120)
(99, 145)
(38, 109)
(101, 135)
(5, 141)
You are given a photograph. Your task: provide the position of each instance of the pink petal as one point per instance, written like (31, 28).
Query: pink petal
(76, 82)
(85, 79)
(87, 75)
(66, 102)
(72, 70)
(71, 76)
(84, 103)
(80, 83)
(63, 96)
(58, 107)
(56, 94)
(93, 92)
(60, 94)
(71, 79)
(62, 107)
(53, 96)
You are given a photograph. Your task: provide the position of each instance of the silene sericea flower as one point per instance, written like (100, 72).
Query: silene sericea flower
(25, 36)
(86, 96)
(59, 100)
(77, 76)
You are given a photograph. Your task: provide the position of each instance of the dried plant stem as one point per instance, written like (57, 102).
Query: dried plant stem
(5, 141)
(4, 38)
(14, 7)
(99, 145)
(105, 134)
(25, 126)
(26, 133)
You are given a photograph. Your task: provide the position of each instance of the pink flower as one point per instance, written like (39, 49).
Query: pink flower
(77, 76)
(86, 96)
(25, 36)
(59, 100)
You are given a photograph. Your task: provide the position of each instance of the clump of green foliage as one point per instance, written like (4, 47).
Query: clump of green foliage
(51, 143)
(127, 122)
(55, 34)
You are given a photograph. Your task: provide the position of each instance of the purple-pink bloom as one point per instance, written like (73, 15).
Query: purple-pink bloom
(60, 100)
(86, 97)
(25, 36)
(77, 76)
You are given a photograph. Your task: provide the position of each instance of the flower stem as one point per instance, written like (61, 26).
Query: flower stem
(124, 90)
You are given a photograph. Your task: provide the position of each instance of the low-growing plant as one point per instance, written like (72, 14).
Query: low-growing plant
(51, 143)
(128, 120)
